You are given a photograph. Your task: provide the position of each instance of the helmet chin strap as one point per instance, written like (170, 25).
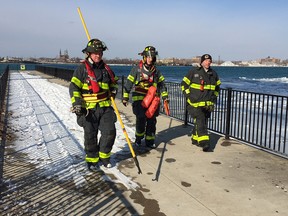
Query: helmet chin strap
(90, 60)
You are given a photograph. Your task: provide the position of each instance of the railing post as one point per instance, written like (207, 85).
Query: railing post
(186, 114)
(122, 86)
(228, 108)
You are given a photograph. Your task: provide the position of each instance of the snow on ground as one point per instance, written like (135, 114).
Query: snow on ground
(48, 132)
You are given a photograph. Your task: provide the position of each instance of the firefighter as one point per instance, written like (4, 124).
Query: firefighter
(201, 87)
(92, 85)
(140, 79)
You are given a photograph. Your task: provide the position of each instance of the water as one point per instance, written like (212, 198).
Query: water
(267, 80)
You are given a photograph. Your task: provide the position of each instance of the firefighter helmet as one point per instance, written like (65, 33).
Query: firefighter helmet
(95, 45)
(149, 51)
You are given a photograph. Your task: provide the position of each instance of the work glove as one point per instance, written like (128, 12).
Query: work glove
(124, 102)
(209, 108)
(166, 100)
(79, 110)
(113, 94)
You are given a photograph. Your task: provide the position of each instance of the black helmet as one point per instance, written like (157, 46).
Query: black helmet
(149, 51)
(95, 45)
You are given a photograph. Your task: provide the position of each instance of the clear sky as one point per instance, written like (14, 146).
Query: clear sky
(229, 29)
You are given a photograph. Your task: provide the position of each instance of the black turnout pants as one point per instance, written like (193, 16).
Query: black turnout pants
(200, 130)
(144, 126)
(103, 120)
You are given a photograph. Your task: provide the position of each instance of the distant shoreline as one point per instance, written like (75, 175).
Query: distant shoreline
(193, 65)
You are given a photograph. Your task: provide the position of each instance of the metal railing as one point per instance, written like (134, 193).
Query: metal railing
(254, 118)
(3, 85)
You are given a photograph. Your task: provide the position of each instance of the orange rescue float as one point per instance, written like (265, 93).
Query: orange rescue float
(153, 107)
(151, 101)
(149, 97)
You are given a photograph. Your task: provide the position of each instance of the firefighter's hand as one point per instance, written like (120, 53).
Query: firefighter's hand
(113, 94)
(209, 108)
(78, 110)
(124, 102)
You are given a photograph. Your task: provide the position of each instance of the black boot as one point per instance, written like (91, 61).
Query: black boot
(92, 165)
(106, 162)
(205, 145)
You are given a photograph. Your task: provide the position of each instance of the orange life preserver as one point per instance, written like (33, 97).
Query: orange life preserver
(92, 81)
(149, 97)
(153, 107)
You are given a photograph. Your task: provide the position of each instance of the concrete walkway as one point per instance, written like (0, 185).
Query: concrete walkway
(177, 179)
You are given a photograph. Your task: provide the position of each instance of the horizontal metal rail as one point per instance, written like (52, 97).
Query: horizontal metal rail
(254, 118)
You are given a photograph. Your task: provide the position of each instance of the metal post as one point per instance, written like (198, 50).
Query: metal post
(186, 114)
(228, 119)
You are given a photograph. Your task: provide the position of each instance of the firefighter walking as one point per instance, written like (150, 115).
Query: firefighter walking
(92, 85)
(147, 85)
(201, 88)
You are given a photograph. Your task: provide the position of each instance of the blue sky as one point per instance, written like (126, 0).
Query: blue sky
(229, 30)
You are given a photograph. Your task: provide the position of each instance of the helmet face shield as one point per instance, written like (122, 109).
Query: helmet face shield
(150, 52)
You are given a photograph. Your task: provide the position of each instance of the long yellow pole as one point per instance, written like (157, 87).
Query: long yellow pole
(114, 105)
(84, 24)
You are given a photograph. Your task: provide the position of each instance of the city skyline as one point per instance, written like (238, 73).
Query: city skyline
(183, 29)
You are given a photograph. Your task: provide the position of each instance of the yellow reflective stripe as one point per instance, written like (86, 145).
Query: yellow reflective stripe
(73, 100)
(187, 91)
(218, 82)
(104, 155)
(105, 103)
(206, 87)
(150, 137)
(92, 160)
(194, 137)
(200, 104)
(164, 94)
(140, 134)
(203, 138)
(77, 94)
(85, 86)
(195, 86)
(161, 79)
(186, 80)
(93, 99)
(136, 98)
(104, 86)
(77, 82)
(209, 87)
(216, 93)
(131, 78)
(126, 95)
(94, 94)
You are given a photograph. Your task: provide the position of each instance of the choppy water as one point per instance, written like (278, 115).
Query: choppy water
(268, 80)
